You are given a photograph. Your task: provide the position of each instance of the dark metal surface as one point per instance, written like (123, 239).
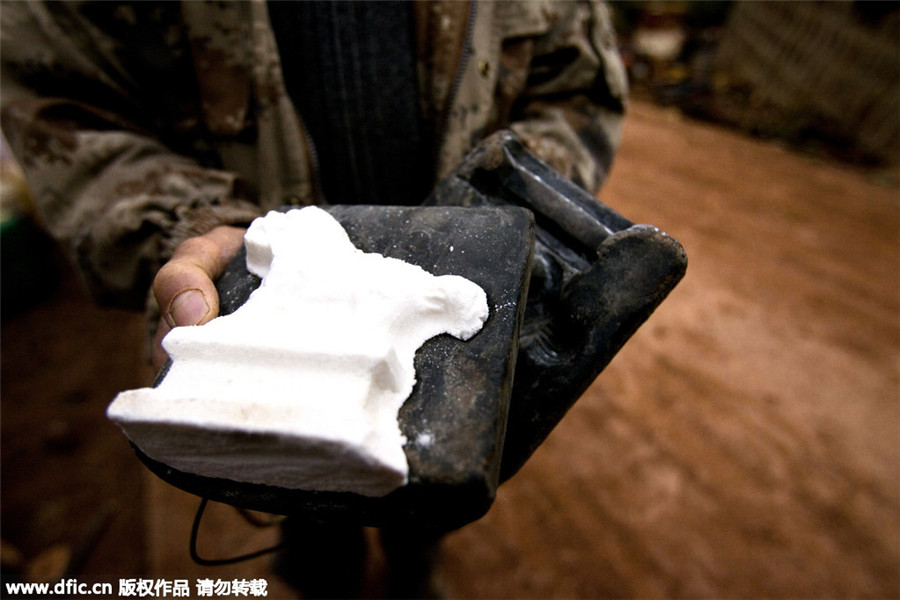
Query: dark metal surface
(596, 278)
(455, 419)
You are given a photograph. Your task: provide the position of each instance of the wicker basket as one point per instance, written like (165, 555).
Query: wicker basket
(819, 62)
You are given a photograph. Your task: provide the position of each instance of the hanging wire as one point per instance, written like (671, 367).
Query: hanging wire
(211, 562)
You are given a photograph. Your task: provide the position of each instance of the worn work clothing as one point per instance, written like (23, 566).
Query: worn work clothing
(141, 124)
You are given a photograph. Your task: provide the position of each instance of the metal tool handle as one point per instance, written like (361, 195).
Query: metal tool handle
(596, 278)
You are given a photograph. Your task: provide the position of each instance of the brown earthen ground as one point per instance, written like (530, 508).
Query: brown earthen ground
(745, 443)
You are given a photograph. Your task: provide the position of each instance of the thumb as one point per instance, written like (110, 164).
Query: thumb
(184, 287)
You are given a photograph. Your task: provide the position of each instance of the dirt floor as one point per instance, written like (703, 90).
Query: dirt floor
(745, 443)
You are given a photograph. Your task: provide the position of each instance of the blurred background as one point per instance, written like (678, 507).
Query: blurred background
(745, 443)
(820, 76)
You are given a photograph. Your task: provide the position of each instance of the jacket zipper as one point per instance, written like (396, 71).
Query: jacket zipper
(457, 82)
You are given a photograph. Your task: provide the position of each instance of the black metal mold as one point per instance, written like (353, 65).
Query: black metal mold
(455, 419)
(596, 278)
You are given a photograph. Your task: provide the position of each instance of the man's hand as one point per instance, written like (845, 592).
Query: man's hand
(184, 287)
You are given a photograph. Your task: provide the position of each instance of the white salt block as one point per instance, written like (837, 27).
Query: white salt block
(301, 386)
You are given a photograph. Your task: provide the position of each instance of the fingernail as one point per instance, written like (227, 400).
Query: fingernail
(187, 308)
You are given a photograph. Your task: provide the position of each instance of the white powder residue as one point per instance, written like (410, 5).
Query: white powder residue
(301, 386)
(425, 439)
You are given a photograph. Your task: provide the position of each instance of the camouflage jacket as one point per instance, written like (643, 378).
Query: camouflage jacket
(141, 124)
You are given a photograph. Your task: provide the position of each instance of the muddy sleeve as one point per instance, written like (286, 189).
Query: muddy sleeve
(107, 135)
(571, 109)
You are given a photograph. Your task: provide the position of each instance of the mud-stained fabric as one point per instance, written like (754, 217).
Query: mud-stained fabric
(140, 124)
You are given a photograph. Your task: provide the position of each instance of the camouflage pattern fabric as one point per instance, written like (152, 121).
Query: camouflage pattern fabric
(140, 124)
